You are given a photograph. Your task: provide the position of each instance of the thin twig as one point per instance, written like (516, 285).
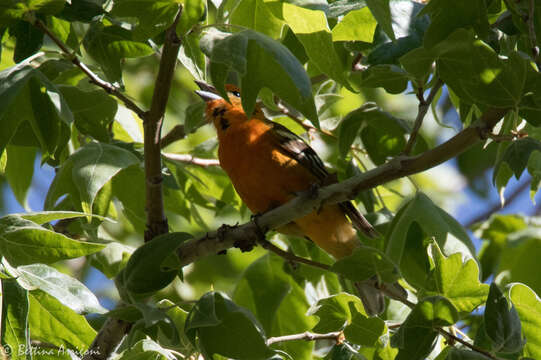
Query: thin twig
(448, 335)
(532, 36)
(307, 336)
(424, 105)
(290, 256)
(497, 206)
(175, 134)
(190, 159)
(108, 87)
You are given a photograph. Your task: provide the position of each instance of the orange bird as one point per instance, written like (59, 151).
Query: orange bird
(269, 165)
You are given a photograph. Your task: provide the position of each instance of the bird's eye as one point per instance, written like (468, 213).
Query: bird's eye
(236, 93)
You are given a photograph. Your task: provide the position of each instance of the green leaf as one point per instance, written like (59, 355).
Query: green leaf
(502, 324)
(112, 258)
(263, 301)
(57, 324)
(194, 117)
(311, 29)
(108, 45)
(15, 333)
(82, 10)
(93, 111)
(382, 134)
(29, 40)
(447, 16)
(43, 217)
(25, 242)
(178, 316)
(193, 11)
(381, 11)
(343, 352)
(364, 331)
(417, 220)
(460, 354)
(152, 17)
(149, 268)
(19, 171)
(335, 312)
(390, 77)
(366, 262)
(224, 328)
(475, 72)
(32, 111)
(146, 349)
(416, 336)
(66, 289)
(409, 28)
(457, 281)
(519, 155)
(495, 232)
(86, 171)
(256, 15)
(528, 307)
(357, 25)
(418, 62)
(247, 52)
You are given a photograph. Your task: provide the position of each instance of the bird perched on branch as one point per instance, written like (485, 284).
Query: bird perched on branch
(269, 165)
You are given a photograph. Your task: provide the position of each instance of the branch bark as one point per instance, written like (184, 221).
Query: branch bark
(156, 220)
(190, 159)
(307, 336)
(223, 239)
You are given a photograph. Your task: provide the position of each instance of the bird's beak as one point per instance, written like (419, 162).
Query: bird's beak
(207, 95)
(207, 92)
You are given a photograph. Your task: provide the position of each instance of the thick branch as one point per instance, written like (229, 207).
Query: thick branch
(304, 204)
(307, 336)
(156, 220)
(190, 159)
(108, 87)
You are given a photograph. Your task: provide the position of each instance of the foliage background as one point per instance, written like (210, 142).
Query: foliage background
(199, 199)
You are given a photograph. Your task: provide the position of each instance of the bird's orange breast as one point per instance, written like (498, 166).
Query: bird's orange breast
(263, 175)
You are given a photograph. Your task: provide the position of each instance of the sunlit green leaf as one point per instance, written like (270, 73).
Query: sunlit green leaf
(15, 335)
(69, 291)
(25, 242)
(528, 307)
(57, 324)
(457, 281)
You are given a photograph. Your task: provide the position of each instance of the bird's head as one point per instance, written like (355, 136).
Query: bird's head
(221, 112)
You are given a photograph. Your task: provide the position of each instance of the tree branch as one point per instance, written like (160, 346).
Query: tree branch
(532, 36)
(307, 336)
(108, 87)
(498, 206)
(156, 220)
(113, 330)
(304, 204)
(421, 113)
(190, 159)
(175, 134)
